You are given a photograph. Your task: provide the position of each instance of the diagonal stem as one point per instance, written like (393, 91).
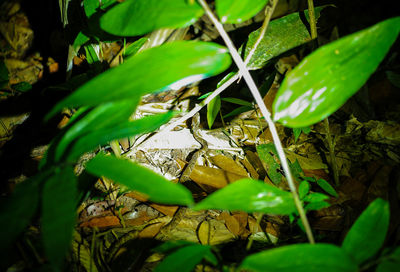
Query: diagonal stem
(264, 111)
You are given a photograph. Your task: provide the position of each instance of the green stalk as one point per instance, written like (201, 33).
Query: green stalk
(257, 97)
(331, 146)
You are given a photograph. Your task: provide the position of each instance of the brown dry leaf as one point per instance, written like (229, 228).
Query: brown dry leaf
(228, 164)
(231, 223)
(351, 189)
(204, 233)
(241, 217)
(330, 218)
(216, 178)
(273, 229)
(24, 71)
(165, 209)
(253, 159)
(102, 222)
(383, 132)
(270, 97)
(151, 231)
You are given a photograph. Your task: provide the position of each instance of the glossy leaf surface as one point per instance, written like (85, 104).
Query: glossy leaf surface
(269, 157)
(152, 70)
(124, 129)
(213, 109)
(301, 258)
(249, 196)
(184, 259)
(59, 214)
(328, 77)
(237, 11)
(138, 17)
(368, 233)
(283, 34)
(17, 211)
(139, 178)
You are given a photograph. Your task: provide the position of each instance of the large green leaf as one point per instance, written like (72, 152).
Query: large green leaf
(324, 80)
(138, 17)
(301, 258)
(283, 34)
(185, 258)
(141, 179)
(176, 63)
(390, 263)
(124, 129)
(16, 212)
(59, 214)
(86, 121)
(269, 157)
(237, 11)
(368, 233)
(249, 196)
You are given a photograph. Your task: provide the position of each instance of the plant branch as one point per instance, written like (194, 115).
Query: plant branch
(257, 97)
(269, 10)
(313, 22)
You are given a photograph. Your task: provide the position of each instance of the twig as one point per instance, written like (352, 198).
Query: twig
(264, 111)
(269, 10)
(313, 23)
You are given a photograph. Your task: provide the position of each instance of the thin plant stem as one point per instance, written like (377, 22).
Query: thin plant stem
(313, 23)
(269, 10)
(331, 146)
(264, 111)
(251, 239)
(268, 14)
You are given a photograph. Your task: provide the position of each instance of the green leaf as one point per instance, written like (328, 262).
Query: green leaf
(22, 86)
(368, 233)
(304, 188)
(283, 34)
(141, 179)
(313, 206)
(391, 262)
(85, 121)
(59, 214)
(301, 258)
(17, 211)
(155, 69)
(237, 11)
(328, 77)
(80, 40)
(91, 54)
(213, 109)
(327, 187)
(237, 101)
(237, 111)
(134, 47)
(184, 259)
(102, 136)
(268, 155)
(138, 17)
(249, 196)
(315, 197)
(298, 131)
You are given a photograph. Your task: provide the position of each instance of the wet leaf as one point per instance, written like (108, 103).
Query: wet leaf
(237, 11)
(184, 259)
(249, 196)
(283, 34)
(151, 71)
(213, 109)
(59, 214)
(140, 179)
(327, 187)
(368, 233)
(268, 156)
(17, 211)
(138, 17)
(301, 258)
(328, 77)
